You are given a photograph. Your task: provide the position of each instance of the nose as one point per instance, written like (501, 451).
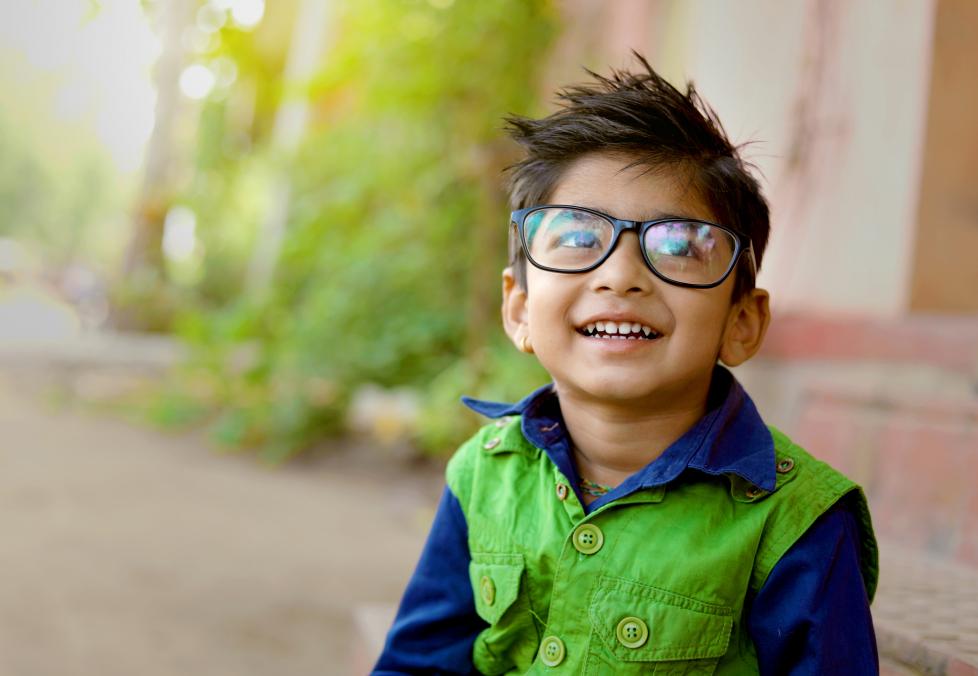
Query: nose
(624, 272)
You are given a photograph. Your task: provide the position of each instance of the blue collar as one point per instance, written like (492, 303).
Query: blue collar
(730, 438)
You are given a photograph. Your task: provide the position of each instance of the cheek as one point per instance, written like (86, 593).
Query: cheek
(703, 324)
(547, 304)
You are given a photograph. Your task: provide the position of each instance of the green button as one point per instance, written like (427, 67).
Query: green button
(552, 651)
(488, 590)
(632, 632)
(587, 538)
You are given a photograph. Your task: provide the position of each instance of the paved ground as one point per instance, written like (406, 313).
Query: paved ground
(130, 551)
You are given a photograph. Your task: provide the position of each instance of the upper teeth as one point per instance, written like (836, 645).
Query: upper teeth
(621, 328)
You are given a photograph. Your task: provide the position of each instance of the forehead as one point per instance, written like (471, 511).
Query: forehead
(623, 187)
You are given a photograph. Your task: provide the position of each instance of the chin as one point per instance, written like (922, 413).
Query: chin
(611, 390)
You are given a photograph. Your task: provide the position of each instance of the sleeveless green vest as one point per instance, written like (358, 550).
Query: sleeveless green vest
(652, 583)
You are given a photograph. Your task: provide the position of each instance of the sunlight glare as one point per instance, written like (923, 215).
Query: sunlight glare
(247, 13)
(210, 18)
(97, 88)
(179, 233)
(197, 81)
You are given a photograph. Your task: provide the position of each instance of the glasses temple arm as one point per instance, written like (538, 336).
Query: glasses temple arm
(753, 261)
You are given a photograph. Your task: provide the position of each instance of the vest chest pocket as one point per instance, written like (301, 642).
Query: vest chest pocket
(495, 582)
(640, 629)
(511, 637)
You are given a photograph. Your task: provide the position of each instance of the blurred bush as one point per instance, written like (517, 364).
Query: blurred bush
(388, 272)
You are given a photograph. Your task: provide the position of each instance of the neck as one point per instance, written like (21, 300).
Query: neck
(611, 441)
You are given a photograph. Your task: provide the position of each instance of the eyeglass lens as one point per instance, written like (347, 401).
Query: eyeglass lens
(684, 251)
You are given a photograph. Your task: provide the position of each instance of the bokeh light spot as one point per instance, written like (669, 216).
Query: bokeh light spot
(197, 81)
(179, 233)
(247, 13)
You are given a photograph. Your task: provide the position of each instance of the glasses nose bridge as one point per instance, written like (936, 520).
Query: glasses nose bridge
(622, 272)
(622, 226)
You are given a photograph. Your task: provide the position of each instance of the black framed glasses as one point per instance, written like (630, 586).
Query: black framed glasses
(680, 251)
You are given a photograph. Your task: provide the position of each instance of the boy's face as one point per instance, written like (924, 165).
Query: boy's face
(695, 327)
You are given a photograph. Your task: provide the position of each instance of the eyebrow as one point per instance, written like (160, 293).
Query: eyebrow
(650, 216)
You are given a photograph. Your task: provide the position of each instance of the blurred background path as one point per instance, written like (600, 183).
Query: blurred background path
(138, 552)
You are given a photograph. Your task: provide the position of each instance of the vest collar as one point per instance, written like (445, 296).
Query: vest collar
(730, 438)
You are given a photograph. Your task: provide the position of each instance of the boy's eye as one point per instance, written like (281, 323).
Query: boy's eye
(689, 251)
(674, 247)
(682, 240)
(578, 239)
(566, 238)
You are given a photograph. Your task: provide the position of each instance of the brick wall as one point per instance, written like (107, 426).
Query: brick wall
(894, 405)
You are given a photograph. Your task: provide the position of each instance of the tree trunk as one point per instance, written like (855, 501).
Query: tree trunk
(305, 52)
(144, 253)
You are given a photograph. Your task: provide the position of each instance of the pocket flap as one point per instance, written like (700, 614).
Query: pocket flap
(495, 583)
(678, 627)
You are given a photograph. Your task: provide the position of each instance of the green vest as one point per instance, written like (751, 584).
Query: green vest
(652, 583)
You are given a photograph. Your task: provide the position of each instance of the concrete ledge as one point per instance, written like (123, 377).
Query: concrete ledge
(906, 655)
(926, 613)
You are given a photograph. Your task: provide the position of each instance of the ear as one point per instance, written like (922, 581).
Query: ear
(515, 315)
(747, 323)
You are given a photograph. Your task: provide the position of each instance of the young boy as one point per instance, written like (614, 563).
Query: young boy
(636, 515)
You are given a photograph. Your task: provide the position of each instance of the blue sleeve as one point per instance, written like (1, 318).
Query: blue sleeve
(812, 615)
(436, 624)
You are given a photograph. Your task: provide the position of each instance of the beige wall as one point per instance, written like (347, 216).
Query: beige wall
(945, 270)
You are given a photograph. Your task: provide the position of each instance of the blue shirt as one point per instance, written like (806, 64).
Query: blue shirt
(811, 616)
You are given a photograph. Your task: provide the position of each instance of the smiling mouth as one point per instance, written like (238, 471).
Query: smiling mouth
(618, 331)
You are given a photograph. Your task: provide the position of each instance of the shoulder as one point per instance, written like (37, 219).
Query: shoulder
(793, 463)
(483, 453)
(804, 485)
(807, 489)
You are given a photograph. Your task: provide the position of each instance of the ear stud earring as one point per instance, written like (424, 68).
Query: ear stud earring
(525, 345)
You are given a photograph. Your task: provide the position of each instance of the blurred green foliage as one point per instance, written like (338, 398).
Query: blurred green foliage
(396, 235)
